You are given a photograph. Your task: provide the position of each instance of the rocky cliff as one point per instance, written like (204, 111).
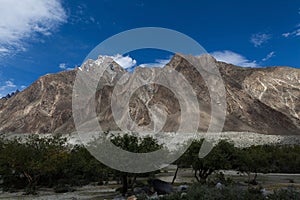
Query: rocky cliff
(262, 100)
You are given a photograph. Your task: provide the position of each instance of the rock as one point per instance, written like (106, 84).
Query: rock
(219, 186)
(138, 190)
(119, 197)
(265, 192)
(183, 195)
(182, 188)
(133, 197)
(161, 187)
(141, 190)
(154, 196)
(261, 100)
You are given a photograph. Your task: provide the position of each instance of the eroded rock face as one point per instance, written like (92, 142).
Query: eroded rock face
(41, 108)
(277, 87)
(258, 100)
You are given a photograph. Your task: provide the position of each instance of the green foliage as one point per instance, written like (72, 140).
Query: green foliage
(285, 194)
(25, 163)
(83, 168)
(254, 159)
(220, 178)
(34, 162)
(268, 158)
(203, 192)
(220, 157)
(284, 159)
(133, 144)
(48, 161)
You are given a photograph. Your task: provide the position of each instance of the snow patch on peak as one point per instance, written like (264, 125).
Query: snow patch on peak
(124, 61)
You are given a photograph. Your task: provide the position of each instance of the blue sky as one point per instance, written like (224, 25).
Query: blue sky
(40, 37)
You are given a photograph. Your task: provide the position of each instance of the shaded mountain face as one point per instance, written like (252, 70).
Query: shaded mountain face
(264, 100)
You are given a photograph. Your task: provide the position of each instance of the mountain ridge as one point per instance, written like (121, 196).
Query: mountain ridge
(263, 100)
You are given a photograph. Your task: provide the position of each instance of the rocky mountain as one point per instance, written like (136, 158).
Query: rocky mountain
(261, 100)
(10, 95)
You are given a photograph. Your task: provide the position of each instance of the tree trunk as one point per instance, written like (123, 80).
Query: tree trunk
(203, 174)
(124, 183)
(254, 179)
(255, 176)
(133, 181)
(203, 178)
(249, 176)
(175, 175)
(196, 176)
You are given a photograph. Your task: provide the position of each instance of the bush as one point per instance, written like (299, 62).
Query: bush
(285, 194)
(34, 162)
(220, 178)
(135, 144)
(221, 157)
(204, 192)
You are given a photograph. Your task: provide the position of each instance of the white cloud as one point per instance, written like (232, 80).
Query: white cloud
(259, 39)
(129, 63)
(65, 66)
(124, 61)
(158, 63)
(81, 14)
(3, 50)
(22, 19)
(233, 58)
(62, 66)
(9, 84)
(92, 19)
(286, 35)
(7, 87)
(269, 56)
(293, 33)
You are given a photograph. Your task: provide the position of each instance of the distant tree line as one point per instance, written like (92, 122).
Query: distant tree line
(250, 160)
(51, 162)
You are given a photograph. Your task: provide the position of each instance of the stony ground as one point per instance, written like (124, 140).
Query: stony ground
(93, 192)
(240, 139)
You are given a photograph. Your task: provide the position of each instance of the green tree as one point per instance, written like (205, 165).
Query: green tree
(82, 167)
(253, 159)
(31, 159)
(220, 157)
(134, 144)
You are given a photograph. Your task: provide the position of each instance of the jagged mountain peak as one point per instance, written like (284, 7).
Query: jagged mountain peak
(101, 61)
(262, 100)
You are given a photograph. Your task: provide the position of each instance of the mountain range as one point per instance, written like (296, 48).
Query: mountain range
(260, 100)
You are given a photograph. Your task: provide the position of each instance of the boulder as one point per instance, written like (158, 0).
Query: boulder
(161, 187)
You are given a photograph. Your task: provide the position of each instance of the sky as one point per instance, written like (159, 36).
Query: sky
(39, 37)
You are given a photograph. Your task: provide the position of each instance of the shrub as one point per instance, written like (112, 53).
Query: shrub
(33, 162)
(290, 193)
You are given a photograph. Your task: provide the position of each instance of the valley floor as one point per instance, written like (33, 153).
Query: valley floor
(270, 182)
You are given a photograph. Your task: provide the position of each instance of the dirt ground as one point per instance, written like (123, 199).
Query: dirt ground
(93, 192)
